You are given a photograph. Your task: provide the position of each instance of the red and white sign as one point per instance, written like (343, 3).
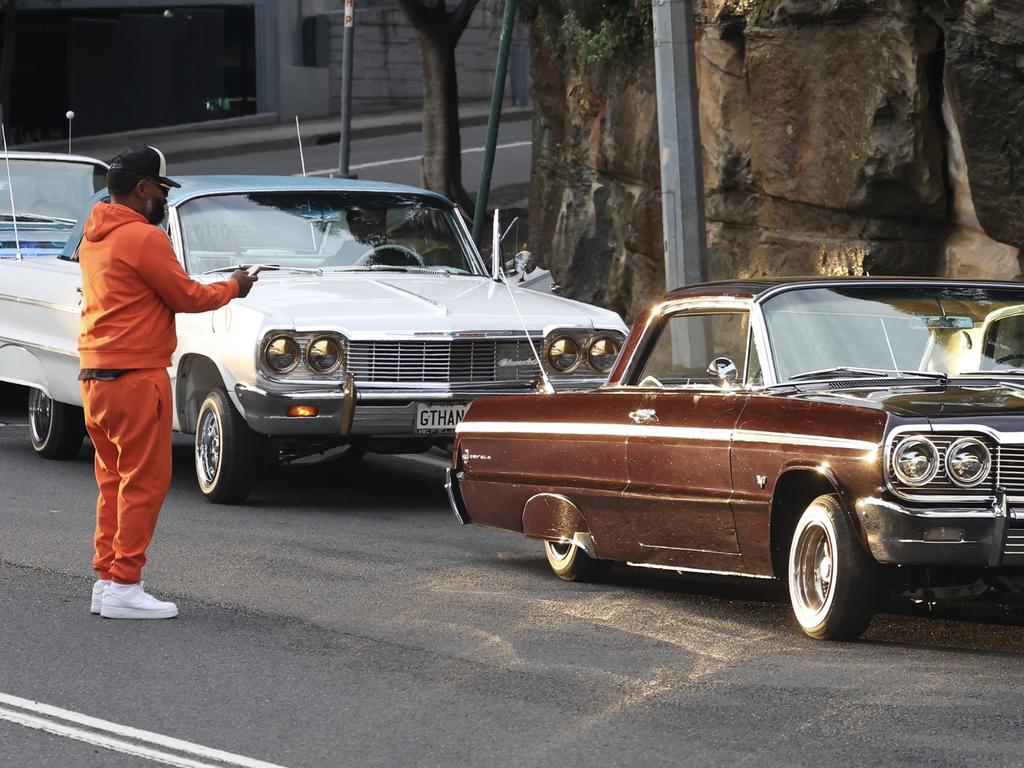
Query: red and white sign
(349, 19)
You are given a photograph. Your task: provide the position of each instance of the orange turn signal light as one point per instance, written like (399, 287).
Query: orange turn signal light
(303, 410)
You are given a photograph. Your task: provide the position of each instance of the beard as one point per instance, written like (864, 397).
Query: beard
(156, 211)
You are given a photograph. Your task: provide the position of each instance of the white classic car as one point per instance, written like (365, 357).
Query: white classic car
(374, 324)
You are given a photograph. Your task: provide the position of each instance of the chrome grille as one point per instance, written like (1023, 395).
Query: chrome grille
(468, 361)
(1014, 539)
(1010, 469)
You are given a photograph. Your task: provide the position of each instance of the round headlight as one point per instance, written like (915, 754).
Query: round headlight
(323, 355)
(282, 354)
(968, 461)
(564, 354)
(602, 353)
(915, 461)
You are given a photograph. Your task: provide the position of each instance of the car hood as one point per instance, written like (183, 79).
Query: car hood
(420, 304)
(934, 402)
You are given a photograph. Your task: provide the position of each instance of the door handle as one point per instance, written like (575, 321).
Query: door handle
(644, 416)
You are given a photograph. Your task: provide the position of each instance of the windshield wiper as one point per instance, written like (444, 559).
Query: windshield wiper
(37, 217)
(372, 268)
(268, 267)
(865, 372)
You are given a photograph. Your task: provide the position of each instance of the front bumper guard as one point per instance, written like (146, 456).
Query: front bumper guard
(969, 537)
(451, 485)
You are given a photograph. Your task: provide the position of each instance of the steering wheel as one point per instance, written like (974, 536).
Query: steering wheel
(1008, 358)
(407, 256)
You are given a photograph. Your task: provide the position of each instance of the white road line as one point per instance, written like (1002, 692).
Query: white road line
(412, 158)
(124, 731)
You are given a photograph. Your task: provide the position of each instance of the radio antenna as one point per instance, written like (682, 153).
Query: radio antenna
(302, 157)
(544, 385)
(70, 115)
(10, 189)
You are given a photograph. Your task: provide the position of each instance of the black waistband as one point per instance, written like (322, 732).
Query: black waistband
(99, 374)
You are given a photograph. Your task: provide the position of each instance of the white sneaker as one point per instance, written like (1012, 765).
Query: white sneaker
(131, 601)
(97, 595)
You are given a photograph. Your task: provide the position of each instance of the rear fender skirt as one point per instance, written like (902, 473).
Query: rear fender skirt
(552, 517)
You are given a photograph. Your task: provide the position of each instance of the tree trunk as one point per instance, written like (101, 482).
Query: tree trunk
(442, 145)
(7, 60)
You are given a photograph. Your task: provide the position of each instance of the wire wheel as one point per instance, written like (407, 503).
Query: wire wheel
(40, 414)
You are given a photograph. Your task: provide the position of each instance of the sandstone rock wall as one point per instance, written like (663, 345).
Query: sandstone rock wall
(839, 137)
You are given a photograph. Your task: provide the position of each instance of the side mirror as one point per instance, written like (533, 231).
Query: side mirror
(523, 264)
(723, 369)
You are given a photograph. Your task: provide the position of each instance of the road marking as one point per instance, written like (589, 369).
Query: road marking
(411, 159)
(49, 722)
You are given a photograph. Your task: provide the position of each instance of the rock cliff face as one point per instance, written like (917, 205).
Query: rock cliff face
(839, 137)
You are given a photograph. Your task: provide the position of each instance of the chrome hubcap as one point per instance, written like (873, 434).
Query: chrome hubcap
(814, 572)
(40, 410)
(208, 447)
(559, 549)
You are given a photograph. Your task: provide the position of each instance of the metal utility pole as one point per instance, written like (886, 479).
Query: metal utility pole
(483, 191)
(682, 180)
(346, 90)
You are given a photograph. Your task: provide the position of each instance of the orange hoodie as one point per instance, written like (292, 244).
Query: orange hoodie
(132, 284)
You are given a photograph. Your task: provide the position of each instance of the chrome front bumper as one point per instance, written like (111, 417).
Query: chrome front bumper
(451, 485)
(349, 410)
(990, 537)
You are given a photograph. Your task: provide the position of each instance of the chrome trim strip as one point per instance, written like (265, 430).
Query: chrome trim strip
(5, 342)
(643, 430)
(38, 303)
(439, 308)
(682, 569)
(687, 549)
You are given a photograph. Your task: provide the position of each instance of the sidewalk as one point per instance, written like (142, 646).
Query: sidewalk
(261, 132)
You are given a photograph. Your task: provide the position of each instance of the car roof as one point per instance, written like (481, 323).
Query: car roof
(759, 288)
(51, 156)
(195, 186)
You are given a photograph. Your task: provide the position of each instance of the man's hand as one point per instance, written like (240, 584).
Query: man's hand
(244, 280)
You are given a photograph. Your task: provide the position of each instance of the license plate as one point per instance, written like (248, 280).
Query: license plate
(439, 418)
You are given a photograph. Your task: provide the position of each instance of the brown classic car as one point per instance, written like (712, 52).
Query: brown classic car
(856, 438)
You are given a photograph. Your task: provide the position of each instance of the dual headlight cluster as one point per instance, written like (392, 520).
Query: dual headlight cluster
(566, 353)
(321, 354)
(967, 463)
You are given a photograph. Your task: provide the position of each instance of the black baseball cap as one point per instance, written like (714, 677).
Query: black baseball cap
(144, 161)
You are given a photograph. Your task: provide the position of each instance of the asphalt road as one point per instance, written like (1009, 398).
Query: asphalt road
(391, 158)
(343, 618)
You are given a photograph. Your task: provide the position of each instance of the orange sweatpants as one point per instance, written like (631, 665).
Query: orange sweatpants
(129, 422)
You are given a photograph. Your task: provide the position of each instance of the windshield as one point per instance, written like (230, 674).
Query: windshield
(328, 230)
(932, 329)
(49, 188)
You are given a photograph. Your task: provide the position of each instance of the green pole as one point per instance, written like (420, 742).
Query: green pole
(497, 95)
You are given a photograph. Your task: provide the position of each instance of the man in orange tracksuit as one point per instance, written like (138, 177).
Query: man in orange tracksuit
(132, 285)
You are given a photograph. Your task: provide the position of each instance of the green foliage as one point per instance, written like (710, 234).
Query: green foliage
(598, 33)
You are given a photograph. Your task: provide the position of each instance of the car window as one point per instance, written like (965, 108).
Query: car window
(1004, 343)
(687, 343)
(327, 230)
(49, 188)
